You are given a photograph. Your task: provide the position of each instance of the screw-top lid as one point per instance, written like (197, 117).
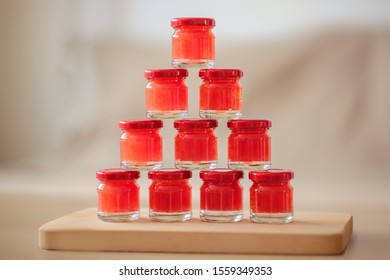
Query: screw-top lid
(195, 21)
(220, 73)
(165, 73)
(271, 174)
(221, 174)
(140, 124)
(169, 174)
(195, 123)
(242, 123)
(117, 174)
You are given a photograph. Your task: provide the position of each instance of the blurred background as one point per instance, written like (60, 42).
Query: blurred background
(319, 70)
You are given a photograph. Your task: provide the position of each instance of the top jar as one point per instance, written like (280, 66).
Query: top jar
(166, 93)
(193, 42)
(220, 95)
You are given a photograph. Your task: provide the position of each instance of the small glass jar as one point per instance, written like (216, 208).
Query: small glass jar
(193, 42)
(118, 195)
(196, 144)
(249, 145)
(221, 198)
(170, 195)
(166, 94)
(220, 93)
(271, 196)
(141, 144)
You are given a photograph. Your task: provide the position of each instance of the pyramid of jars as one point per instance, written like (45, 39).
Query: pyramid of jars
(195, 145)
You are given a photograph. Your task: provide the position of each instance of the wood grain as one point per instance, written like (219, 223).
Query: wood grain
(311, 233)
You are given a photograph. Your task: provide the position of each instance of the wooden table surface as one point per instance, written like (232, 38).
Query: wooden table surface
(22, 215)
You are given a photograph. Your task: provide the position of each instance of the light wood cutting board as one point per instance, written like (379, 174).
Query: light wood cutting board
(311, 233)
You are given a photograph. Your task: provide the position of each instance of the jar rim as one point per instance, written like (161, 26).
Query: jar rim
(117, 174)
(249, 123)
(220, 73)
(193, 21)
(195, 123)
(169, 174)
(221, 174)
(165, 73)
(272, 174)
(140, 124)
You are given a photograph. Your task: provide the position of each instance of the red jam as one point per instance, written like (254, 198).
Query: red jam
(249, 145)
(196, 144)
(141, 144)
(193, 42)
(118, 195)
(221, 195)
(271, 196)
(220, 93)
(170, 195)
(166, 93)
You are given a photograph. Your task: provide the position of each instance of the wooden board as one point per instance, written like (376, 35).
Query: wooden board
(310, 233)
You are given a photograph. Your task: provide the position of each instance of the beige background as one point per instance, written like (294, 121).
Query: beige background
(70, 70)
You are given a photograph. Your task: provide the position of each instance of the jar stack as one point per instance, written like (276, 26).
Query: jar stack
(195, 145)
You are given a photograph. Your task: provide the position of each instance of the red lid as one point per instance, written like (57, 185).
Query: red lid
(220, 73)
(221, 174)
(169, 174)
(195, 123)
(117, 174)
(248, 123)
(140, 124)
(271, 174)
(165, 73)
(195, 21)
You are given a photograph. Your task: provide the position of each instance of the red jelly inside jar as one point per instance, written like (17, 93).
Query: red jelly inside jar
(271, 196)
(170, 195)
(221, 195)
(141, 144)
(220, 93)
(166, 93)
(196, 144)
(193, 42)
(118, 194)
(249, 145)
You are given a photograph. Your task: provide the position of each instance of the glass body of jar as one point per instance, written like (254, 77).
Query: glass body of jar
(170, 195)
(118, 195)
(271, 196)
(249, 145)
(196, 144)
(193, 42)
(166, 94)
(141, 144)
(221, 195)
(220, 94)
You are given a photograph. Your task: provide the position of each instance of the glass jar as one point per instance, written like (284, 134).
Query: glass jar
(196, 144)
(170, 198)
(221, 198)
(141, 144)
(193, 42)
(249, 145)
(271, 196)
(220, 93)
(166, 94)
(118, 195)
